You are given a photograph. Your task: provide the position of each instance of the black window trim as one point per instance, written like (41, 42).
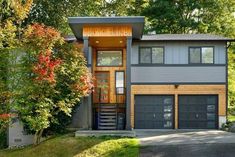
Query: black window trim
(120, 50)
(151, 51)
(200, 47)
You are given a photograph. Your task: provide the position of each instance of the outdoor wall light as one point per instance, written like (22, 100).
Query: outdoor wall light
(176, 86)
(97, 42)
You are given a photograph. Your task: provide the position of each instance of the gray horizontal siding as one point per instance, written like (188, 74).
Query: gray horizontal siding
(210, 74)
(177, 52)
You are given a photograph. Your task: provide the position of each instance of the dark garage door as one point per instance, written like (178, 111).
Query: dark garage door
(154, 112)
(198, 112)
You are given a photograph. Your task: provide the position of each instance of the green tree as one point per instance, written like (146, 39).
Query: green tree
(12, 13)
(55, 12)
(231, 82)
(54, 78)
(191, 16)
(137, 6)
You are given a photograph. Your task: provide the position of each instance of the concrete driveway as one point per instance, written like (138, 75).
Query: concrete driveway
(186, 143)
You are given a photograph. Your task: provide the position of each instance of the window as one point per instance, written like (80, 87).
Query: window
(157, 55)
(198, 55)
(207, 55)
(145, 55)
(109, 58)
(151, 55)
(119, 79)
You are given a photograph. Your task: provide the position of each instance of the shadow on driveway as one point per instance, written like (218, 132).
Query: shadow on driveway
(189, 150)
(186, 143)
(176, 137)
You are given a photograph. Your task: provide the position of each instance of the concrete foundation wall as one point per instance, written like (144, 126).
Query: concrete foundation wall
(17, 136)
(222, 120)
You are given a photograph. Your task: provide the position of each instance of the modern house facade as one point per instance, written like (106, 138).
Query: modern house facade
(162, 81)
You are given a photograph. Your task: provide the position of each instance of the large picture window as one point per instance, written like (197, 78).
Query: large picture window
(151, 55)
(201, 55)
(109, 58)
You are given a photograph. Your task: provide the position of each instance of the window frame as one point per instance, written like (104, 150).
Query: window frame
(119, 50)
(201, 47)
(151, 57)
(124, 80)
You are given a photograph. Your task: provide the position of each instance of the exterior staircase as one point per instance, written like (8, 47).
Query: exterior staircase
(107, 117)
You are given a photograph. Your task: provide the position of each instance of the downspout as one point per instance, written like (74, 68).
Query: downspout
(227, 47)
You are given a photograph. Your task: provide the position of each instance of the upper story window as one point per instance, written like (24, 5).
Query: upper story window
(109, 58)
(151, 55)
(201, 55)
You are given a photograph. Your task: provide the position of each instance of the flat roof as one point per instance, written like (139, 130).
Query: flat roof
(185, 37)
(136, 22)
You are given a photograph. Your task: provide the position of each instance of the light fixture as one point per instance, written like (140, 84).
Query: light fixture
(176, 86)
(97, 42)
(120, 41)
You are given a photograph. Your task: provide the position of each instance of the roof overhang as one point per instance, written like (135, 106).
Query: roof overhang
(185, 37)
(136, 23)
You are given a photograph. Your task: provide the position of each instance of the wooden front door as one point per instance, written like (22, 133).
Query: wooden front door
(101, 93)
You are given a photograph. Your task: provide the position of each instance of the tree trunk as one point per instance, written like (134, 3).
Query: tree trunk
(35, 138)
(38, 136)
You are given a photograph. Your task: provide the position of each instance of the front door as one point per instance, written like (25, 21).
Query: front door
(101, 93)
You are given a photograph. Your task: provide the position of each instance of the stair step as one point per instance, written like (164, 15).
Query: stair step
(114, 114)
(107, 107)
(107, 128)
(107, 120)
(107, 110)
(107, 117)
(109, 124)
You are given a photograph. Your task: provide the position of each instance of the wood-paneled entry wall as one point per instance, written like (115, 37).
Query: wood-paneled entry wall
(111, 70)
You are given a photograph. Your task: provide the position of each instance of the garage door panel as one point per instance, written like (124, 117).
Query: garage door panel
(192, 116)
(193, 124)
(198, 111)
(153, 112)
(211, 125)
(193, 107)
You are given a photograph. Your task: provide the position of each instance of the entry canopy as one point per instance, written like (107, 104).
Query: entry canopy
(136, 23)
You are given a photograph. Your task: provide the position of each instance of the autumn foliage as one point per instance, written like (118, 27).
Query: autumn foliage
(41, 40)
(41, 37)
(56, 78)
(6, 116)
(45, 67)
(85, 84)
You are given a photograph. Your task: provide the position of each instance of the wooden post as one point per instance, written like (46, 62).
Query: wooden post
(176, 111)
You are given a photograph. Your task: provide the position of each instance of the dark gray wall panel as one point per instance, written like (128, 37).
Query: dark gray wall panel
(89, 55)
(169, 74)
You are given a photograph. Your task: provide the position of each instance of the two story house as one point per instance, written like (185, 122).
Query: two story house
(162, 81)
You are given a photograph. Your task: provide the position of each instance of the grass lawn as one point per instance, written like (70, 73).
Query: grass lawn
(68, 146)
(231, 118)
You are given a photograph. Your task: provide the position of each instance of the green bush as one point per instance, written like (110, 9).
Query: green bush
(226, 126)
(60, 126)
(3, 139)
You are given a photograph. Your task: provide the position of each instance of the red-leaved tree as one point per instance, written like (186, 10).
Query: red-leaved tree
(55, 78)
